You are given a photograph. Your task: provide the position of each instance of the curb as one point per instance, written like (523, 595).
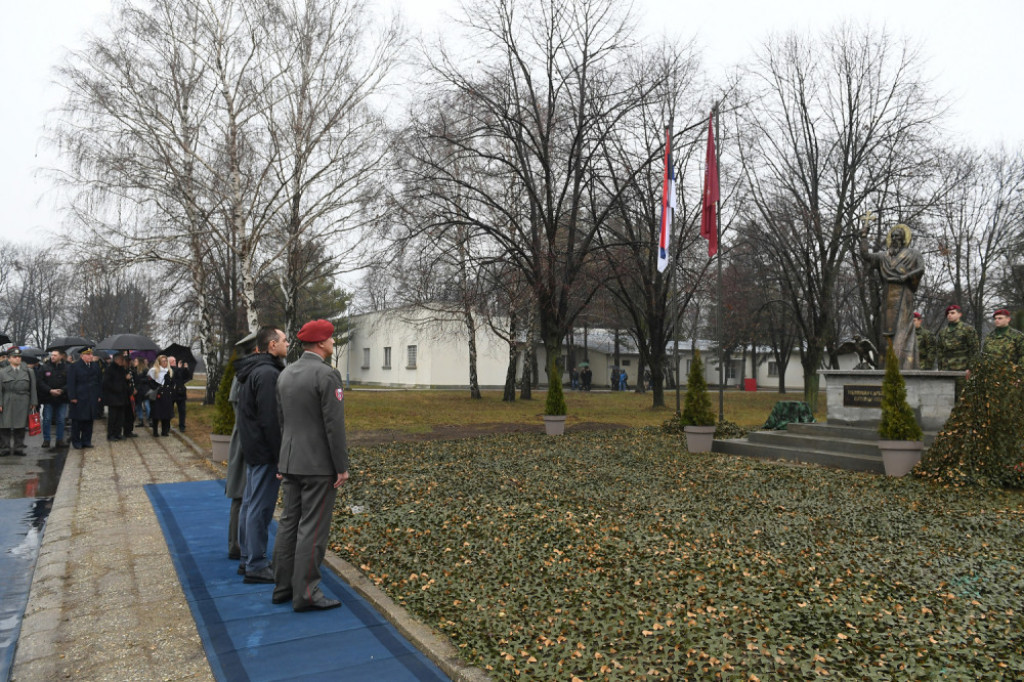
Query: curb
(39, 624)
(433, 646)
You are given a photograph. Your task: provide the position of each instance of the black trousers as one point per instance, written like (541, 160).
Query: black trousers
(180, 402)
(115, 421)
(302, 534)
(81, 432)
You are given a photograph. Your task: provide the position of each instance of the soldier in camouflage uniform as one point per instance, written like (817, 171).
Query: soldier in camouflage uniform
(926, 344)
(957, 342)
(1004, 342)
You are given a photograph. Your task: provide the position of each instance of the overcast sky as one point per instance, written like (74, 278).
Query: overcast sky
(975, 52)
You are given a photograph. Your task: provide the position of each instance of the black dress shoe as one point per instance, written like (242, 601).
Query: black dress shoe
(264, 576)
(281, 600)
(320, 603)
(131, 435)
(90, 445)
(234, 556)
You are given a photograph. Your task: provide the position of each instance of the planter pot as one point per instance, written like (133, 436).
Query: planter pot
(900, 456)
(554, 424)
(221, 447)
(699, 438)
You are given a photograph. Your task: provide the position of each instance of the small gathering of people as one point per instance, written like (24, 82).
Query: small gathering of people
(956, 345)
(68, 397)
(289, 437)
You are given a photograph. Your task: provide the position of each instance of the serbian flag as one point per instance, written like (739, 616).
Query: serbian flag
(708, 225)
(668, 203)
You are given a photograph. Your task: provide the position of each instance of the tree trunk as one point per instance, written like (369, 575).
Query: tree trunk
(474, 383)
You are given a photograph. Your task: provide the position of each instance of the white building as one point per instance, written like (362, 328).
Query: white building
(415, 347)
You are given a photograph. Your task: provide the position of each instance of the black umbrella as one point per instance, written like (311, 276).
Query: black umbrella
(33, 351)
(180, 353)
(65, 342)
(127, 342)
(4, 339)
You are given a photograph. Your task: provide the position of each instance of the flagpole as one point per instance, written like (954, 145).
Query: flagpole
(718, 241)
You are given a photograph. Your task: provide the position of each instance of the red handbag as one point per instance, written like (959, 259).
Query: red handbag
(35, 426)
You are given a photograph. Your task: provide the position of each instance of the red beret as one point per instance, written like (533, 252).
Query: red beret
(1002, 311)
(316, 331)
(953, 307)
(917, 315)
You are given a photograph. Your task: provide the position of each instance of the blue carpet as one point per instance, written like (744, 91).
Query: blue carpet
(248, 638)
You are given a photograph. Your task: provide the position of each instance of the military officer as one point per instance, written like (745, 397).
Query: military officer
(85, 388)
(18, 397)
(1004, 342)
(313, 463)
(957, 342)
(925, 344)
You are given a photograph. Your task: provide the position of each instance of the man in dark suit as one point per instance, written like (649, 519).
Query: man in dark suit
(85, 387)
(313, 463)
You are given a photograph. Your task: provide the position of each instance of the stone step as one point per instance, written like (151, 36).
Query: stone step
(826, 430)
(838, 460)
(822, 441)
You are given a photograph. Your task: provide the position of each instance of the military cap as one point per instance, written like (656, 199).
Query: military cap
(952, 307)
(917, 315)
(1001, 311)
(247, 343)
(315, 331)
(85, 350)
(14, 353)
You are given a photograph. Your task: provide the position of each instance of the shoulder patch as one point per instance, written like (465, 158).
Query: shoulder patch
(339, 394)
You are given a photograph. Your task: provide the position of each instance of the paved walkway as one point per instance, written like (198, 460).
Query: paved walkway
(106, 603)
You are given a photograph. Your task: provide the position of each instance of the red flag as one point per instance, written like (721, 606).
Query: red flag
(708, 225)
(668, 204)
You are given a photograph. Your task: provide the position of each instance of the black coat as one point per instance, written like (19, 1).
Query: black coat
(180, 377)
(117, 389)
(85, 390)
(49, 376)
(256, 413)
(163, 407)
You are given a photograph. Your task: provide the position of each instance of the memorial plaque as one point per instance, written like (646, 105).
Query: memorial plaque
(862, 396)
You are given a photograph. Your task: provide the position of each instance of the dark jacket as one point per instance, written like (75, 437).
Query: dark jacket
(52, 375)
(84, 390)
(117, 391)
(179, 379)
(256, 416)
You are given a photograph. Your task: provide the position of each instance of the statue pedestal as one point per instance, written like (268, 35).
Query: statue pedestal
(855, 396)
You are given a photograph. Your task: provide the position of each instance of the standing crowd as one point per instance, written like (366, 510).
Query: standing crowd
(289, 436)
(956, 346)
(126, 388)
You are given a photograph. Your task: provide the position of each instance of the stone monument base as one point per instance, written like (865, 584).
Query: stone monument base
(855, 396)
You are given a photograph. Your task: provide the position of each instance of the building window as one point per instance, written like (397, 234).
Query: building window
(688, 364)
(412, 357)
(366, 358)
(731, 370)
(625, 363)
(387, 357)
(773, 368)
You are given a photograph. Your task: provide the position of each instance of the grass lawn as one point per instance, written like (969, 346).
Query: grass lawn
(618, 555)
(420, 412)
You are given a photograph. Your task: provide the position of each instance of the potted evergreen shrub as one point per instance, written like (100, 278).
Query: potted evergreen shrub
(223, 422)
(901, 439)
(555, 407)
(697, 418)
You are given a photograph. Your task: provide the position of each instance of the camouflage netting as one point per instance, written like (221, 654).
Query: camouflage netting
(982, 442)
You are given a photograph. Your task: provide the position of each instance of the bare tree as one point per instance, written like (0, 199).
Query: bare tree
(835, 117)
(977, 225)
(544, 90)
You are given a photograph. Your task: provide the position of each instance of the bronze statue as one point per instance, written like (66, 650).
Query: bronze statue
(902, 269)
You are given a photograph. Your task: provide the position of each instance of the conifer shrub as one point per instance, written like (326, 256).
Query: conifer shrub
(982, 442)
(898, 421)
(697, 403)
(555, 404)
(223, 422)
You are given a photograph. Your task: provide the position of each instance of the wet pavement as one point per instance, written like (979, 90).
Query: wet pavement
(27, 486)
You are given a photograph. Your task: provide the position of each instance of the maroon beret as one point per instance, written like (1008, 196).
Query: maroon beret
(1002, 311)
(316, 331)
(953, 307)
(917, 315)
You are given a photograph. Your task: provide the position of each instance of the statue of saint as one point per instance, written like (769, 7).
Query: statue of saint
(902, 269)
